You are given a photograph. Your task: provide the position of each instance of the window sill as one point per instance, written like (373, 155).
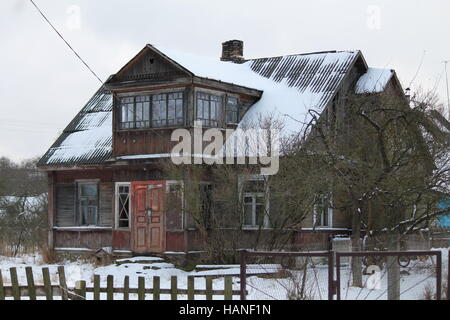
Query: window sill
(83, 228)
(255, 228)
(121, 229)
(325, 229)
(150, 128)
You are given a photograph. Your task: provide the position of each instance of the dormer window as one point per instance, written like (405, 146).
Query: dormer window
(158, 110)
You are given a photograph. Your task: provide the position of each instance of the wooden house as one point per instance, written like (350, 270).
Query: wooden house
(105, 180)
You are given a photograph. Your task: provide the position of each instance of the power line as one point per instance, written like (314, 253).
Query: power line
(446, 79)
(79, 57)
(65, 41)
(418, 69)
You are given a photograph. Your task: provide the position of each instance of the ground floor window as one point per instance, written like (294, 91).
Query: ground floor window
(255, 201)
(123, 205)
(323, 212)
(88, 203)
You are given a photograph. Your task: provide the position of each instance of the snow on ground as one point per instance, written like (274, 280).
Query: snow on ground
(414, 278)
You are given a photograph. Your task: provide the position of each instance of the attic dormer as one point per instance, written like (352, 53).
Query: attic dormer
(155, 94)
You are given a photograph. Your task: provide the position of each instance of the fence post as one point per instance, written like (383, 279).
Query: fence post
(209, 288)
(156, 286)
(80, 290)
(338, 276)
(62, 282)
(331, 275)
(14, 283)
(228, 289)
(96, 287)
(173, 288)
(30, 282)
(438, 275)
(2, 289)
(110, 287)
(243, 274)
(190, 287)
(141, 288)
(448, 276)
(126, 288)
(47, 284)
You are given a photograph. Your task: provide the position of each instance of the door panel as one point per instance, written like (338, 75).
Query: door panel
(148, 222)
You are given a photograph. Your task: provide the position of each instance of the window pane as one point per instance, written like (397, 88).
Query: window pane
(84, 215)
(259, 214)
(171, 111)
(253, 186)
(159, 114)
(146, 113)
(213, 110)
(92, 216)
(124, 189)
(124, 117)
(139, 109)
(248, 215)
(200, 109)
(130, 112)
(179, 111)
(88, 190)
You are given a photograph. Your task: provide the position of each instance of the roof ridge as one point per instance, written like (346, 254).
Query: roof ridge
(304, 54)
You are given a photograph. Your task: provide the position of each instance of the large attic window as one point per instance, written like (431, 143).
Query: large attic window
(209, 108)
(232, 110)
(158, 110)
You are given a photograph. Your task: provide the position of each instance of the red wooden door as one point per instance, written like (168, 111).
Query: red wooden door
(148, 231)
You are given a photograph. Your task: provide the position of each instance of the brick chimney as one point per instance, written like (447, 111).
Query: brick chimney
(233, 50)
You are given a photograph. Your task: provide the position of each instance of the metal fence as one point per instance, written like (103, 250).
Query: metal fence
(366, 275)
(287, 275)
(392, 275)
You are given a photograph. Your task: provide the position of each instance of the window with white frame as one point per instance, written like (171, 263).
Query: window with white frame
(88, 203)
(123, 205)
(323, 212)
(255, 203)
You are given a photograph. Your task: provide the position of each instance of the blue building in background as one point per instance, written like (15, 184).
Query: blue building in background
(444, 221)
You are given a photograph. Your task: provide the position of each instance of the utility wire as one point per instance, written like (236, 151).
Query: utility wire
(65, 41)
(446, 81)
(78, 56)
(418, 69)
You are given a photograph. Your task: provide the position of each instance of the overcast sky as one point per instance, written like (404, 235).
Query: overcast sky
(43, 85)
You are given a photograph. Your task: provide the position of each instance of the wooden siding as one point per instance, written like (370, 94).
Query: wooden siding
(91, 239)
(150, 141)
(175, 241)
(121, 240)
(173, 213)
(148, 65)
(65, 205)
(106, 207)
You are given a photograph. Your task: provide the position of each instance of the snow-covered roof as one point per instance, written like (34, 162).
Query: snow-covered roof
(88, 137)
(374, 80)
(291, 85)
